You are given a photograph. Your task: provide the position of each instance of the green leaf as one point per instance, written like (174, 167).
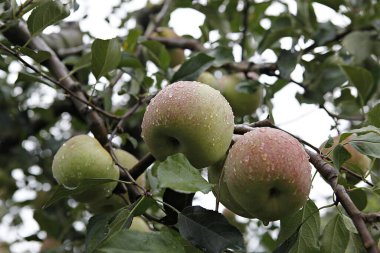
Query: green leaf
(221, 55)
(130, 61)
(306, 15)
(349, 224)
(359, 197)
(62, 192)
(247, 86)
(127, 241)
(333, 4)
(287, 62)
(287, 245)
(363, 130)
(103, 227)
(359, 44)
(28, 78)
(335, 236)
(130, 43)
(274, 36)
(38, 56)
(368, 144)
(326, 32)
(45, 15)
(193, 67)
(374, 116)
(361, 78)
(96, 230)
(307, 240)
(105, 56)
(355, 244)
(340, 155)
(178, 174)
(157, 53)
(208, 230)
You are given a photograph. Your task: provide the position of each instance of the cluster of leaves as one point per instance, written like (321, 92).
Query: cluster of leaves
(340, 71)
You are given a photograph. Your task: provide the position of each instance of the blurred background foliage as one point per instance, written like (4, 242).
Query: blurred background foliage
(336, 62)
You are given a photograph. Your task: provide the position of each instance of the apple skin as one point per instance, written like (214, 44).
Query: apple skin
(190, 118)
(177, 55)
(268, 174)
(358, 162)
(138, 224)
(242, 103)
(82, 157)
(221, 191)
(209, 79)
(114, 202)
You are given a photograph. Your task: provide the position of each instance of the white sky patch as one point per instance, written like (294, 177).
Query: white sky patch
(186, 21)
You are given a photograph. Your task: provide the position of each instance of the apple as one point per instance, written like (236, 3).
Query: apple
(267, 173)
(82, 157)
(190, 118)
(221, 191)
(358, 163)
(177, 55)
(138, 224)
(242, 103)
(114, 202)
(209, 79)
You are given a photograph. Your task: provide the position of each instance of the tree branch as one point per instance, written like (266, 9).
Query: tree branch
(336, 116)
(371, 217)
(330, 175)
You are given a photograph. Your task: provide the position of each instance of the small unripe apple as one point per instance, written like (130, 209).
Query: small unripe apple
(82, 157)
(267, 173)
(221, 191)
(190, 118)
(358, 162)
(209, 79)
(242, 103)
(138, 224)
(114, 202)
(177, 55)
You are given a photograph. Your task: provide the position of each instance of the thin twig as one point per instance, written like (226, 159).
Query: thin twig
(245, 29)
(336, 116)
(18, 34)
(69, 91)
(158, 19)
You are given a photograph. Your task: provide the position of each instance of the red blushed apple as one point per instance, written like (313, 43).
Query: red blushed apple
(190, 118)
(268, 174)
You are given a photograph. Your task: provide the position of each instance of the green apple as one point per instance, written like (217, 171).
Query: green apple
(82, 157)
(177, 55)
(114, 202)
(190, 118)
(221, 192)
(267, 173)
(358, 163)
(138, 224)
(209, 79)
(242, 103)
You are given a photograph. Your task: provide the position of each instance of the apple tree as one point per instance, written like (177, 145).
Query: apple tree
(111, 143)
